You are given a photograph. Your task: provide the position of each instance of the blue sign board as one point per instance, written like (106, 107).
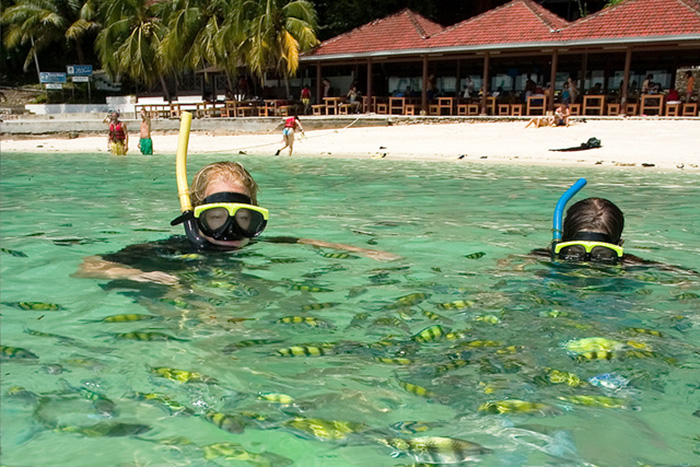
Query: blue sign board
(52, 77)
(79, 70)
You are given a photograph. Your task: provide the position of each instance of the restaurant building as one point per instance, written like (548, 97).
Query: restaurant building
(497, 56)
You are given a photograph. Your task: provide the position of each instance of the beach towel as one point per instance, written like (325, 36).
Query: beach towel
(592, 143)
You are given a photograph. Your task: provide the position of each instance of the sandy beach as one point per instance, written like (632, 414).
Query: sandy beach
(665, 143)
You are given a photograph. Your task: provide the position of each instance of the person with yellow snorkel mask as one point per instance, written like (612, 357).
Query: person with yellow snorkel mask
(219, 213)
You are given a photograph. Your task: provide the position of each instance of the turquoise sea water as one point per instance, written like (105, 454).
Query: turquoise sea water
(78, 397)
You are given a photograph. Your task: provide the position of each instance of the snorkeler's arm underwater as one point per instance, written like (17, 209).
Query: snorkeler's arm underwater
(96, 267)
(369, 253)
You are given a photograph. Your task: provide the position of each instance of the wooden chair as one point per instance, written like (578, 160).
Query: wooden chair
(503, 109)
(536, 105)
(613, 109)
(343, 109)
(593, 105)
(434, 109)
(516, 110)
(473, 109)
(575, 109)
(411, 109)
(247, 111)
(229, 109)
(673, 109)
(462, 109)
(631, 108)
(690, 110)
(318, 109)
(651, 104)
(382, 108)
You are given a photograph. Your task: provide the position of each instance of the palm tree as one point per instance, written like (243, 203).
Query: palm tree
(278, 30)
(130, 42)
(42, 23)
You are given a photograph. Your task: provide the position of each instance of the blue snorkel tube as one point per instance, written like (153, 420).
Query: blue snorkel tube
(558, 219)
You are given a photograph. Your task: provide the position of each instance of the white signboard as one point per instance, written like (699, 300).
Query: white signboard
(54, 85)
(81, 79)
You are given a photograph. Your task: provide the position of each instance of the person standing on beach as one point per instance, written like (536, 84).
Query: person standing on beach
(290, 124)
(306, 99)
(689, 86)
(146, 143)
(118, 139)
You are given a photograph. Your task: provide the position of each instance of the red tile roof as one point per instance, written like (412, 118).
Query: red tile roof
(518, 21)
(638, 18)
(404, 30)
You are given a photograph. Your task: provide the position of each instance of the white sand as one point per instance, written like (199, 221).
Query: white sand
(668, 144)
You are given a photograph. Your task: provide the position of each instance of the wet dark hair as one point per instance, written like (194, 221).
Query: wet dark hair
(594, 215)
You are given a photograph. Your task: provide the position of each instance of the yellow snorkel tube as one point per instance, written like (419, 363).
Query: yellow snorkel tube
(187, 213)
(183, 141)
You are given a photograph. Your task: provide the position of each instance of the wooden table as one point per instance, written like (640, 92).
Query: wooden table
(537, 103)
(397, 105)
(332, 104)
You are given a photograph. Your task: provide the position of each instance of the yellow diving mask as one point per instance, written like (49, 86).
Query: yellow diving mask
(588, 246)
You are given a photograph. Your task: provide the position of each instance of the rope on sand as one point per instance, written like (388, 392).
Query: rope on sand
(228, 151)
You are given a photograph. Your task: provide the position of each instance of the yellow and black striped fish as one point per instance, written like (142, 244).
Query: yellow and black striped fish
(337, 255)
(306, 320)
(226, 422)
(415, 389)
(147, 336)
(181, 376)
(248, 343)
(308, 288)
(236, 452)
(553, 376)
(16, 253)
(451, 365)
(432, 333)
(36, 333)
(408, 300)
(436, 449)
(651, 332)
(456, 305)
(16, 352)
(410, 427)
(276, 398)
(172, 405)
(394, 360)
(36, 306)
(324, 429)
(311, 350)
(318, 306)
(597, 401)
(476, 255)
(128, 318)
(515, 406)
(686, 296)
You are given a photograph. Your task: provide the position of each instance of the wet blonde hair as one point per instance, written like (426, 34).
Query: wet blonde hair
(231, 172)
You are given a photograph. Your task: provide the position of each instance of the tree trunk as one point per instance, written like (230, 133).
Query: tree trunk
(165, 88)
(79, 51)
(286, 86)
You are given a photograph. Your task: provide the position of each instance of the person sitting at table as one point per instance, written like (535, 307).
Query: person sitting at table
(648, 84)
(596, 90)
(326, 87)
(354, 98)
(673, 96)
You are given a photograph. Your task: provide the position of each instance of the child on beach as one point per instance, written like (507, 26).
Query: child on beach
(227, 217)
(290, 124)
(146, 143)
(118, 139)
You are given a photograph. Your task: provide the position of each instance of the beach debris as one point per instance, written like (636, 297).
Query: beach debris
(598, 162)
(680, 166)
(462, 156)
(484, 157)
(243, 153)
(612, 381)
(435, 449)
(647, 164)
(382, 147)
(592, 143)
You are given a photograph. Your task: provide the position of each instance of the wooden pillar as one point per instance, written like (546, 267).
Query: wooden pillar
(625, 80)
(584, 70)
(424, 92)
(369, 85)
(319, 83)
(552, 80)
(485, 85)
(458, 88)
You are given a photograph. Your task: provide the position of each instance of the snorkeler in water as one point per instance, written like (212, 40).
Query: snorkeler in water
(220, 213)
(590, 233)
